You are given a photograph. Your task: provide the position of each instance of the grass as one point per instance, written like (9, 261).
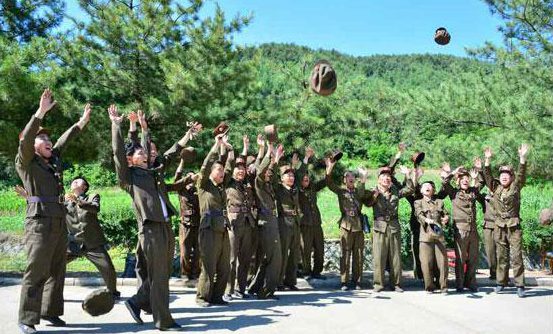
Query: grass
(535, 196)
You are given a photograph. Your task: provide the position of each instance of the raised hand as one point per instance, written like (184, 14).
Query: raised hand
(329, 165)
(477, 163)
(473, 173)
(309, 152)
(19, 190)
(523, 151)
(279, 153)
(246, 143)
(114, 115)
(404, 170)
(488, 152)
(446, 170)
(363, 174)
(85, 118)
(47, 102)
(193, 129)
(142, 120)
(419, 172)
(260, 140)
(133, 117)
(295, 159)
(401, 147)
(225, 142)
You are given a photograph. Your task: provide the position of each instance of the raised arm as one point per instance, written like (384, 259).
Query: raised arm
(329, 181)
(410, 184)
(230, 163)
(209, 160)
(66, 137)
(520, 179)
(260, 150)
(26, 150)
(488, 178)
(119, 156)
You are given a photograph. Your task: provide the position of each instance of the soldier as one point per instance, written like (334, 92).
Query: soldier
(352, 240)
(507, 232)
(386, 229)
(213, 239)
(266, 279)
(38, 164)
(487, 229)
(289, 214)
(153, 209)
(311, 230)
(239, 207)
(185, 185)
(432, 216)
(463, 201)
(86, 237)
(257, 251)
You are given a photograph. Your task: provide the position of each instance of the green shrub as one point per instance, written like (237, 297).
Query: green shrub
(96, 174)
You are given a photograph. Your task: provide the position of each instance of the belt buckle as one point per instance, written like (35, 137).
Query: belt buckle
(224, 213)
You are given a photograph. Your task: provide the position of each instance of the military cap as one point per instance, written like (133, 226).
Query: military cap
(441, 36)
(188, 154)
(506, 169)
(286, 169)
(462, 171)
(417, 158)
(384, 170)
(221, 128)
(271, 133)
(250, 160)
(323, 78)
(40, 131)
(429, 182)
(336, 155)
(98, 302)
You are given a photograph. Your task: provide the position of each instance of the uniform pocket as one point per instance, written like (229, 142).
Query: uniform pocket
(38, 225)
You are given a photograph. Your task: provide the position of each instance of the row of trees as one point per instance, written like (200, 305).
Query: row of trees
(177, 64)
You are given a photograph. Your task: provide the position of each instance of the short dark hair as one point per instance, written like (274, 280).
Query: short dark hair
(131, 147)
(218, 162)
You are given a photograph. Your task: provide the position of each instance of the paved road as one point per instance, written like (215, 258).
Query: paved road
(323, 311)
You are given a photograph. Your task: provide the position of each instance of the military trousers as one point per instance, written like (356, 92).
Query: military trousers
(508, 241)
(215, 262)
(387, 249)
(189, 251)
(352, 245)
(312, 242)
(290, 246)
(267, 277)
(45, 240)
(433, 253)
(99, 256)
(156, 253)
(240, 237)
(490, 248)
(466, 258)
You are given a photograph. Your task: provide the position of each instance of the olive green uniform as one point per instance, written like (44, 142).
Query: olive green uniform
(213, 237)
(289, 215)
(432, 245)
(387, 233)
(45, 233)
(352, 241)
(242, 224)
(507, 231)
(189, 226)
(87, 238)
(487, 231)
(463, 203)
(153, 211)
(312, 238)
(266, 279)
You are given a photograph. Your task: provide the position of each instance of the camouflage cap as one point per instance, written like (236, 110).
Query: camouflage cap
(506, 169)
(384, 170)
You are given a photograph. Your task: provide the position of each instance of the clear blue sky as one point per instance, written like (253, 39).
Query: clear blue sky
(362, 27)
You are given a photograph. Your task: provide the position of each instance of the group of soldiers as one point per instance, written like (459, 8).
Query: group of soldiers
(246, 222)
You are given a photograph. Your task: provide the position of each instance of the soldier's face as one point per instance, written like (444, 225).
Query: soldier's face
(153, 152)
(239, 173)
(464, 182)
(385, 180)
(349, 180)
(78, 186)
(43, 146)
(288, 179)
(305, 181)
(427, 189)
(505, 179)
(217, 173)
(139, 158)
